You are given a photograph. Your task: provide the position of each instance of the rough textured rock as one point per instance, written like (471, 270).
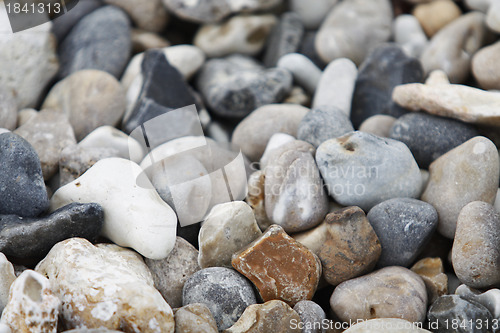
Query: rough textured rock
(7, 276)
(151, 15)
(436, 14)
(285, 38)
(490, 299)
(195, 318)
(379, 125)
(432, 273)
(485, 67)
(311, 315)
(8, 108)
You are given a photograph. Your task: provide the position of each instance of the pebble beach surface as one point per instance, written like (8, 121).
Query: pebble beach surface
(250, 166)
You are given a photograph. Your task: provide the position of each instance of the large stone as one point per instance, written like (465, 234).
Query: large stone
(485, 67)
(490, 298)
(195, 318)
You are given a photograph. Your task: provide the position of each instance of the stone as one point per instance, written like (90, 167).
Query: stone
(4, 328)
(475, 251)
(256, 198)
(62, 24)
(151, 15)
(285, 38)
(493, 17)
(32, 305)
(485, 68)
(7, 276)
(279, 267)
(48, 132)
(22, 190)
(323, 123)
(339, 259)
(311, 315)
(432, 273)
(253, 133)
(170, 274)
(453, 47)
(429, 136)
(408, 33)
(386, 67)
(365, 297)
(386, 325)
(357, 165)
(379, 125)
(272, 316)
(312, 13)
(228, 228)
(243, 34)
(279, 141)
(143, 40)
(436, 14)
(99, 41)
(336, 85)
(24, 115)
(465, 174)
(98, 330)
(298, 96)
(352, 28)
(90, 99)
(490, 298)
(224, 291)
(304, 71)
(112, 183)
(497, 201)
(308, 48)
(195, 318)
(8, 109)
(105, 286)
(233, 89)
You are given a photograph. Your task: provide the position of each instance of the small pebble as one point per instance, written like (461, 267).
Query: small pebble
(436, 14)
(431, 271)
(62, 25)
(408, 33)
(256, 198)
(280, 141)
(486, 68)
(313, 12)
(385, 325)
(195, 318)
(304, 71)
(285, 38)
(8, 109)
(7, 276)
(379, 125)
(151, 15)
(311, 315)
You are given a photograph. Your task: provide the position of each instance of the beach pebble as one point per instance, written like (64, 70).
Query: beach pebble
(467, 173)
(379, 125)
(386, 325)
(143, 40)
(312, 13)
(431, 271)
(436, 14)
(104, 286)
(62, 24)
(280, 141)
(285, 37)
(490, 298)
(24, 115)
(408, 33)
(22, 190)
(311, 315)
(279, 267)
(493, 17)
(366, 297)
(195, 318)
(8, 108)
(497, 201)
(304, 71)
(485, 67)
(480, 5)
(224, 291)
(151, 15)
(7, 276)
(256, 198)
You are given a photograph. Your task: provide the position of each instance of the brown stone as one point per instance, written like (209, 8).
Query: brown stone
(195, 318)
(280, 267)
(432, 272)
(435, 15)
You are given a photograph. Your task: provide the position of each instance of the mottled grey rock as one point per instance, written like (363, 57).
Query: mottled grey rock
(8, 109)
(194, 318)
(379, 125)
(490, 298)
(62, 25)
(311, 315)
(284, 38)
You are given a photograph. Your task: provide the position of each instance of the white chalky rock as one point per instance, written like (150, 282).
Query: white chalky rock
(493, 16)
(32, 306)
(304, 71)
(408, 33)
(105, 286)
(312, 12)
(134, 214)
(276, 141)
(7, 276)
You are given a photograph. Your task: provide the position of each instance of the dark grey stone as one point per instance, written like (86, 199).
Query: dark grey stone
(429, 136)
(311, 315)
(22, 190)
(284, 38)
(34, 237)
(403, 226)
(308, 48)
(224, 291)
(62, 25)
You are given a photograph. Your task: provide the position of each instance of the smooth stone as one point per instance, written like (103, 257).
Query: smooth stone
(243, 34)
(436, 14)
(7, 276)
(5, 328)
(90, 99)
(279, 267)
(100, 41)
(453, 47)
(143, 40)
(386, 325)
(151, 15)
(253, 133)
(436, 78)
(486, 68)
(24, 115)
(493, 17)
(323, 123)
(336, 85)
(467, 173)
(8, 109)
(285, 38)
(340, 261)
(429, 136)
(62, 25)
(352, 28)
(379, 125)
(497, 201)
(34, 237)
(308, 48)
(195, 318)
(357, 165)
(386, 67)
(480, 5)
(313, 12)
(365, 297)
(4, 130)
(304, 71)
(170, 274)
(490, 298)
(256, 198)
(32, 305)
(22, 190)
(275, 142)
(298, 96)
(49, 132)
(224, 291)
(112, 183)
(311, 315)
(272, 316)
(408, 33)
(432, 273)
(105, 286)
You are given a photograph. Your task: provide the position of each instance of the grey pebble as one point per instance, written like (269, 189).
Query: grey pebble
(285, 38)
(311, 315)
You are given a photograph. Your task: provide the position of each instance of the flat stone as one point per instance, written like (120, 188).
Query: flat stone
(285, 38)
(490, 298)
(408, 33)
(311, 315)
(62, 25)
(485, 68)
(279, 267)
(195, 318)
(304, 71)
(312, 13)
(432, 273)
(256, 198)
(385, 325)
(436, 14)
(466, 173)
(8, 109)
(151, 15)
(7, 276)
(379, 125)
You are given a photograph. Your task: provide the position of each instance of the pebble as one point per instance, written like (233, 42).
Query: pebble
(340, 261)
(24, 115)
(408, 33)
(32, 306)
(323, 123)
(195, 318)
(298, 96)
(7, 276)
(90, 99)
(100, 41)
(62, 25)
(352, 28)
(8, 109)
(311, 315)
(235, 86)
(366, 297)
(379, 125)
(431, 271)
(452, 48)
(429, 136)
(493, 17)
(224, 291)
(485, 67)
(357, 165)
(272, 316)
(490, 298)
(312, 13)
(112, 183)
(480, 5)
(304, 71)
(285, 38)
(22, 190)
(497, 201)
(253, 133)
(467, 173)
(385, 325)
(256, 198)
(280, 141)
(279, 267)
(34, 237)
(386, 67)
(105, 286)
(98, 330)
(475, 252)
(143, 40)
(151, 15)
(436, 14)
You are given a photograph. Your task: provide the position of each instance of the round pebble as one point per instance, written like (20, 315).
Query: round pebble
(485, 68)
(311, 315)
(379, 125)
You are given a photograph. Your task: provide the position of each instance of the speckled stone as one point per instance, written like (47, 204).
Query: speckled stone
(311, 315)
(285, 37)
(431, 270)
(195, 318)
(379, 125)
(485, 67)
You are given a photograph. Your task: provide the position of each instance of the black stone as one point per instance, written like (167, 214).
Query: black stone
(429, 136)
(285, 38)
(62, 25)
(34, 237)
(22, 190)
(385, 67)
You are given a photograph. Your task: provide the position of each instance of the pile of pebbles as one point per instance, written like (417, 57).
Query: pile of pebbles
(367, 198)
